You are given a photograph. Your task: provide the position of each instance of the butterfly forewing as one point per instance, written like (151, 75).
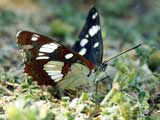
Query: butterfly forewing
(90, 44)
(47, 61)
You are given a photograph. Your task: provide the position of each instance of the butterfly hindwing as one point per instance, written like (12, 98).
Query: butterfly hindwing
(47, 61)
(90, 44)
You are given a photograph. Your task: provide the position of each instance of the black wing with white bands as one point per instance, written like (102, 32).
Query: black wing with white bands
(90, 44)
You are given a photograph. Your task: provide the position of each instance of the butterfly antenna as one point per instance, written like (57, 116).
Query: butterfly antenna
(106, 62)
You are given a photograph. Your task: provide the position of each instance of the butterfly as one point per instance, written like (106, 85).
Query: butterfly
(48, 62)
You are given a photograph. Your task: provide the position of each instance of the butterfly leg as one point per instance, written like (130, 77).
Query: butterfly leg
(89, 73)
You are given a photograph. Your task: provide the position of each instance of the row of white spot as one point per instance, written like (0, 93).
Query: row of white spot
(49, 48)
(84, 50)
(92, 31)
(46, 48)
(84, 41)
(53, 70)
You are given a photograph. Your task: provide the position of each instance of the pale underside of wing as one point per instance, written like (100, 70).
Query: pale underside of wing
(76, 78)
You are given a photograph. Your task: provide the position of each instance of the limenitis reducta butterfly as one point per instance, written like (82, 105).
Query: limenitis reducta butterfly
(48, 62)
